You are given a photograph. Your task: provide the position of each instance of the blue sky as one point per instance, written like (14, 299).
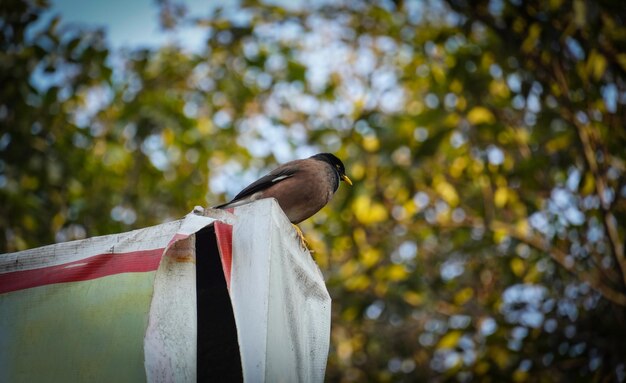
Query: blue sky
(131, 23)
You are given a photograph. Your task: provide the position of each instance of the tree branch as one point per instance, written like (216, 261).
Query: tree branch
(608, 219)
(561, 257)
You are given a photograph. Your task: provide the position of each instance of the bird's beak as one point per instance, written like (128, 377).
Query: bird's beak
(345, 178)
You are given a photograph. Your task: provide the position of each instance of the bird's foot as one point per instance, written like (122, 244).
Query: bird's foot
(303, 242)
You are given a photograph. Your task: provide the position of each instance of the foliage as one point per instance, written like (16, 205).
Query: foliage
(484, 236)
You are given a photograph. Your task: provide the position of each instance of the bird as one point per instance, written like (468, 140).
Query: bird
(301, 187)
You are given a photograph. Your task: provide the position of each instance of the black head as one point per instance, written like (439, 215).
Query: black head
(336, 164)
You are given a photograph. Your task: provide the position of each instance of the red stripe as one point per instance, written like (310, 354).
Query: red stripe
(93, 267)
(224, 234)
(177, 237)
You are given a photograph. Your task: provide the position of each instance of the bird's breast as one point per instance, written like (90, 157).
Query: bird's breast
(303, 195)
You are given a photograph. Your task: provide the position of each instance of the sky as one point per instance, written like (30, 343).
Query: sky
(131, 23)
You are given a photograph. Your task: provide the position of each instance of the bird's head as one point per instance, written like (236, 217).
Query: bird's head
(336, 164)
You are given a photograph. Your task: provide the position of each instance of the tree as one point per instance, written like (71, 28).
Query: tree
(484, 236)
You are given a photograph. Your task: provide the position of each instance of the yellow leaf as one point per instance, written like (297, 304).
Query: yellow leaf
(371, 143)
(589, 184)
(477, 166)
(342, 243)
(446, 191)
(481, 368)
(357, 283)
(409, 208)
(499, 88)
(546, 57)
(523, 136)
(413, 298)
(58, 221)
(520, 376)
(580, 13)
(348, 269)
(19, 243)
(504, 137)
(204, 125)
(377, 213)
(449, 340)
(99, 148)
(458, 165)
(461, 103)
(168, 136)
(532, 276)
(558, 143)
(451, 120)
(500, 355)
(438, 73)
(522, 227)
(480, 115)
(29, 183)
(463, 296)
(344, 349)
(406, 127)
(29, 222)
(360, 237)
(500, 196)
(531, 38)
(487, 60)
(368, 211)
(359, 103)
(555, 4)
(456, 86)
(370, 257)
(350, 314)
(596, 65)
(518, 267)
(357, 171)
(499, 235)
(381, 288)
(415, 107)
(509, 163)
(396, 273)
(443, 216)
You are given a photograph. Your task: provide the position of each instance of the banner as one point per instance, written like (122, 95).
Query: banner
(123, 307)
(82, 310)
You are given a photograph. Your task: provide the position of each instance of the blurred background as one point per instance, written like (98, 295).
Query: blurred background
(483, 239)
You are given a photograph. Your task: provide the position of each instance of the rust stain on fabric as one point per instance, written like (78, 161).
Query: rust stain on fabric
(189, 258)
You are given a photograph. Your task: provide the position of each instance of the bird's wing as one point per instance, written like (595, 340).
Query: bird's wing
(277, 175)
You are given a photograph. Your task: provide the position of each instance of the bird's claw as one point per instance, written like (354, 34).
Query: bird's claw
(303, 242)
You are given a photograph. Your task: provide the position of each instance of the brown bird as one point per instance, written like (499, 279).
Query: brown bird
(301, 187)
